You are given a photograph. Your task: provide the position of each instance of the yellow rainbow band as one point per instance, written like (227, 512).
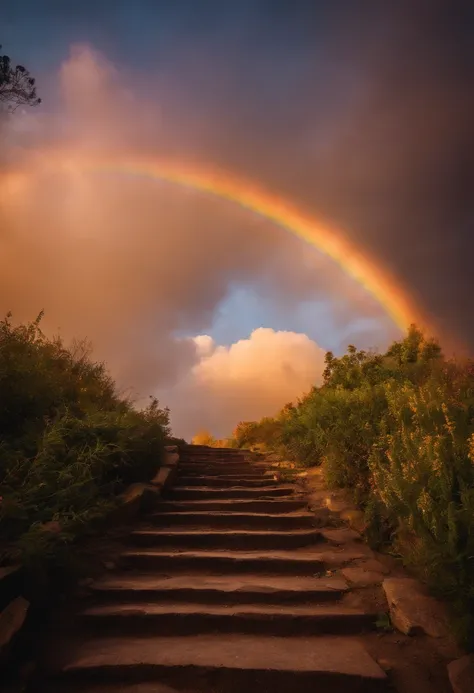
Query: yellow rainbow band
(322, 236)
(331, 242)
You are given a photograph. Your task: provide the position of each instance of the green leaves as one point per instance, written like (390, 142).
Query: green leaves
(69, 442)
(397, 429)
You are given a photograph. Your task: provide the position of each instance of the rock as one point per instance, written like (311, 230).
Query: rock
(337, 502)
(162, 477)
(371, 564)
(318, 498)
(315, 472)
(362, 578)
(133, 494)
(461, 674)
(140, 497)
(355, 518)
(12, 619)
(170, 459)
(8, 570)
(11, 583)
(412, 610)
(340, 536)
(385, 664)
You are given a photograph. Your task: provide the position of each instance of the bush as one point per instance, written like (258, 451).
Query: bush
(422, 474)
(397, 429)
(68, 442)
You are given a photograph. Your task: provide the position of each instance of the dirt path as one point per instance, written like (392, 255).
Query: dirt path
(234, 585)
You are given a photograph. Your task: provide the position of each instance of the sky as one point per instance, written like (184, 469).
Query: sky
(359, 112)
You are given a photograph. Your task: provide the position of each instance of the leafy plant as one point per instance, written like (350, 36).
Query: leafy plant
(68, 442)
(397, 430)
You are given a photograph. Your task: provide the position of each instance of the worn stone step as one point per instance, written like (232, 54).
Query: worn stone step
(215, 458)
(203, 493)
(232, 662)
(249, 540)
(224, 482)
(111, 687)
(249, 475)
(183, 618)
(225, 562)
(144, 687)
(211, 451)
(218, 469)
(220, 589)
(229, 520)
(270, 506)
(218, 462)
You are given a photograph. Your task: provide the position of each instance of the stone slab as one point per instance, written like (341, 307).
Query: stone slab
(339, 656)
(412, 610)
(12, 619)
(461, 674)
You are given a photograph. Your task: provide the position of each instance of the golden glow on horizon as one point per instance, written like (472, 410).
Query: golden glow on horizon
(331, 242)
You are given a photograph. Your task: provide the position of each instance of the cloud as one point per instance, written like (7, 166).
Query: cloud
(363, 115)
(128, 262)
(251, 378)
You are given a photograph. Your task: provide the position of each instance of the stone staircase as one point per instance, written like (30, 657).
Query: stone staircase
(227, 587)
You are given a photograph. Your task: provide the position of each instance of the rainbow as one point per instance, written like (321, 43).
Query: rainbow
(322, 236)
(355, 262)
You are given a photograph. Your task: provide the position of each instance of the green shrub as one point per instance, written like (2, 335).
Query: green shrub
(68, 442)
(397, 429)
(422, 474)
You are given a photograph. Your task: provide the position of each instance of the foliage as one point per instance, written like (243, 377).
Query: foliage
(397, 429)
(422, 475)
(17, 87)
(68, 442)
(249, 434)
(204, 437)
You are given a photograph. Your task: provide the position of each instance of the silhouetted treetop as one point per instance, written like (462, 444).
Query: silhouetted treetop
(17, 87)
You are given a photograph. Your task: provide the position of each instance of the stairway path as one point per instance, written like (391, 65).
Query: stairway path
(230, 585)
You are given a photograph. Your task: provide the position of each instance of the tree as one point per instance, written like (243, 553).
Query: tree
(17, 87)
(203, 437)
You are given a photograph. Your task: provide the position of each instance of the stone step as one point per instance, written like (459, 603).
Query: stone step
(274, 507)
(233, 457)
(232, 662)
(220, 589)
(208, 450)
(222, 457)
(59, 686)
(249, 540)
(258, 619)
(218, 469)
(256, 476)
(229, 520)
(225, 562)
(204, 450)
(203, 493)
(116, 687)
(223, 482)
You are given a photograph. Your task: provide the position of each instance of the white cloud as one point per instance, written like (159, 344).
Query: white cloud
(249, 379)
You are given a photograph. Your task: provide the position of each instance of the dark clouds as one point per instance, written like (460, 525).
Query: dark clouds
(361, 110)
